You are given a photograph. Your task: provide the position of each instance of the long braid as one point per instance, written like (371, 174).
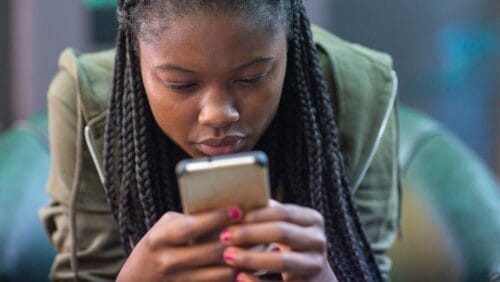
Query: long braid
(112, 127)
(317, 191)
(126, 211)
(121, 136)
(140, 115)
(298, 74)
(119, 204)
(145, 189)
(159, 196)
(318, 196)
(359, 255)
(167, 160)
(312, 134)
(135, 221)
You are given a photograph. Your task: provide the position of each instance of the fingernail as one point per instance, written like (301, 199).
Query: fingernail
(234, 214)
(275, 249)
(225, 235)
(229, 255)
(240, 279)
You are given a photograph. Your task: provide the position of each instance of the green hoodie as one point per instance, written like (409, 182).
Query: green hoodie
(79, 221)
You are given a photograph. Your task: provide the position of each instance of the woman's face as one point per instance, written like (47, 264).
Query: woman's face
(214, 81)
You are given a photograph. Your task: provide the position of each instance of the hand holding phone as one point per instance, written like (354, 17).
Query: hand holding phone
(241, 180)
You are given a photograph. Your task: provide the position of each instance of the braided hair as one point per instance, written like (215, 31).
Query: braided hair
(140, 184)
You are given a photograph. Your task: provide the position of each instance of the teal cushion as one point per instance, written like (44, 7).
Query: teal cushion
(457, 189)
(25, 251)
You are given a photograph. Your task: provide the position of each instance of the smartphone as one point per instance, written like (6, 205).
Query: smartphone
(240, 179)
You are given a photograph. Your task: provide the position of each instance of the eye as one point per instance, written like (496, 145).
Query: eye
(182, 87)
(252, 80)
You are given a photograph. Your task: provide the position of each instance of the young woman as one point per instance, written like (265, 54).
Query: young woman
(202, 78)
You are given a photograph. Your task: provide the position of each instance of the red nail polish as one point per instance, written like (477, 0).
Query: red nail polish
(225, 235)
(234, 213)
(229, 255)
(275, 249)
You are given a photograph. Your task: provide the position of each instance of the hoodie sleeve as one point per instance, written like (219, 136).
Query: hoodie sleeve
(83, 233)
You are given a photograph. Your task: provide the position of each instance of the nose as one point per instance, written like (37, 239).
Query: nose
(218, 110)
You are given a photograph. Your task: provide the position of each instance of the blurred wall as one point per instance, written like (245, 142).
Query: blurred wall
(321, 12)
(4, 64)
(40, 30)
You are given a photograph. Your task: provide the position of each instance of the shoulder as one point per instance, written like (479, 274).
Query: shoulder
(363, 86)
(349, 52)
(354, 67)
(91, 76)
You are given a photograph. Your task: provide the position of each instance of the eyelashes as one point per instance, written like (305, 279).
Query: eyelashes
(190, 87)
(253, 80)
(182, 87)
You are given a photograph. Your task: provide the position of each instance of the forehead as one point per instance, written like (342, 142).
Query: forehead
(216, 38)
(151, 20)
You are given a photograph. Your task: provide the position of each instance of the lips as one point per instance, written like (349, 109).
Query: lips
(220, 146)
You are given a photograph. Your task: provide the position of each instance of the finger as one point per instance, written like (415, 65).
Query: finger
(294, 278)
(274, 203)
(288, 212)
(216, 273)
(179, 229)
(187, 257)
(274, 247)
(292, 235)
(247, 277)
(305, 264)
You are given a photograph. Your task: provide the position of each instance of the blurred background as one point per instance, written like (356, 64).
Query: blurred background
(446, 53)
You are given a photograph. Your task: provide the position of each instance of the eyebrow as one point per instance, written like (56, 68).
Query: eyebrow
(253, 62)
(174, 67)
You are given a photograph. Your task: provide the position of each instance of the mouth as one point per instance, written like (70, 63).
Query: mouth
(220, 146)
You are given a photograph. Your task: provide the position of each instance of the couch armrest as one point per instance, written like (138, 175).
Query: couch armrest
(25, 251)
(458, 192)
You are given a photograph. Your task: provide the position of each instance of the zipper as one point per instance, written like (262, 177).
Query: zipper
(91, 147)
(380, 133)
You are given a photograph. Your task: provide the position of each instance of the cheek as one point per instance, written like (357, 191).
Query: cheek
(163, 112)
(174, 117)
(260, 109)
(274, 95)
